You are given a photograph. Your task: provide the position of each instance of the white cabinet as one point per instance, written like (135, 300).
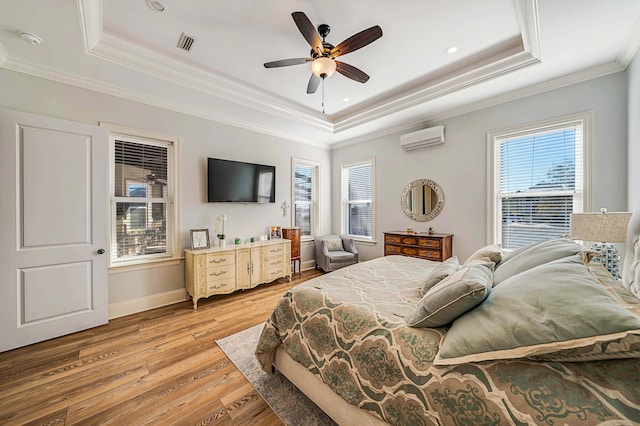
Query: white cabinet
(249, 267)
(225, 270)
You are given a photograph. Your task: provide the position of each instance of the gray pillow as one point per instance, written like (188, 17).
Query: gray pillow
(490, 253)
(442, 271)
(453, 296)
(533, 255)
(334, 244)
(556, 306)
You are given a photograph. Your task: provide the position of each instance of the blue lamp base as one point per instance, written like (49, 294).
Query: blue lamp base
(608, 256)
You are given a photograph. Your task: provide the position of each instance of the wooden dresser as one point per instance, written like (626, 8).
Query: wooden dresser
(437, 247)
(221, 270)
(293, 234)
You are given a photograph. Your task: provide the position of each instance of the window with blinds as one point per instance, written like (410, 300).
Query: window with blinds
(141, 204)
(304, 196)
(539, 182)
(357, 196)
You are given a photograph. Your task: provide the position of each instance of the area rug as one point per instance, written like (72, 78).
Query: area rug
(291, 405)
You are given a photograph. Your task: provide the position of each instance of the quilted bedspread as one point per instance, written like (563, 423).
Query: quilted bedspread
(349, 329)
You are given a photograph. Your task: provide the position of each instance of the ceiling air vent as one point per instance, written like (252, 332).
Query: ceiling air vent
(186, 42)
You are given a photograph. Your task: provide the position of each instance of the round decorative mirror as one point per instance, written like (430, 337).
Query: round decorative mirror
(422, 200)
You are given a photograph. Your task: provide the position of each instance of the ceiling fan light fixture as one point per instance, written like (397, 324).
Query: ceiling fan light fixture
(323, 67)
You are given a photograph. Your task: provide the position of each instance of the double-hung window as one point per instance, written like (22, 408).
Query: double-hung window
(538, 177)
(305, 196)
(358, 200)
(143, 217)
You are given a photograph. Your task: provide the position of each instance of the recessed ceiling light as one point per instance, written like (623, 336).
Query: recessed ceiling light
(345, 99)
(31, 38)
(155, 5)
(451, 49)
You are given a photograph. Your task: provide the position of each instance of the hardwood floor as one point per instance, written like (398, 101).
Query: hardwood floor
(161, 366)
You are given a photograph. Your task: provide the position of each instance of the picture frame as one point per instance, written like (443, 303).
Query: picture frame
(199, 239)
(275, 232)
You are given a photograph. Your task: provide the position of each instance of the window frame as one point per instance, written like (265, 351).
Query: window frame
(345, 203)
(174, 253)
(314, 204)
(494, 216)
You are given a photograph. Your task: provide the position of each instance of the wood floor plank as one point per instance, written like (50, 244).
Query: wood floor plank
(161, 366)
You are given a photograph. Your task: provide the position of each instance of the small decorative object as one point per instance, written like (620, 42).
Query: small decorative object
(238, 241)
(430, 230)
(199, 239)
(275, 232)
(284, 208)
(253, 239)
(409, 231)
(218, 228)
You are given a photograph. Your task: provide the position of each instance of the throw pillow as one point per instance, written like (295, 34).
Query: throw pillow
(442, 271)
(490, 253)
(533, 255)
(553, 307)
(453, 296)
(334, 244)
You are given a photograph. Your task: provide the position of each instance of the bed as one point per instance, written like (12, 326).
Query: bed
(541, 335)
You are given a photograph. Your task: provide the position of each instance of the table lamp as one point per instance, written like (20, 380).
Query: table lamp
(603, 229)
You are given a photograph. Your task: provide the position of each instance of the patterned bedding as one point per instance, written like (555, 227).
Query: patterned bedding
(349, 329)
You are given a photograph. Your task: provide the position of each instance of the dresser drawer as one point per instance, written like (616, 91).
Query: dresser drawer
(430, 254)
(273, 272)
(429, 242)
(220, 259)
(271, 262)
(212, 274)
(225, 285)
(271, 251)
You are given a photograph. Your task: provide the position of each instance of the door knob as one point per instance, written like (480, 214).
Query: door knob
(100, 251)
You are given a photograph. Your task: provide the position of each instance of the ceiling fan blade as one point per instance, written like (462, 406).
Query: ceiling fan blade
(351, 72)
(357, 41)
(308, 31)
(314, 82)
(287, 62)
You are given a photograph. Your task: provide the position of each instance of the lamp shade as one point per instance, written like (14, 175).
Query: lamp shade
(601, 227)
(323, 67)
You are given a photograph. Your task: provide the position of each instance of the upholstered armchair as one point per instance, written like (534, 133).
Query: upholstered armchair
(334, 252)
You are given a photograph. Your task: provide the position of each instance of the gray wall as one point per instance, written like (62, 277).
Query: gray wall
(199, 139)
(460, 165)
(633, 74)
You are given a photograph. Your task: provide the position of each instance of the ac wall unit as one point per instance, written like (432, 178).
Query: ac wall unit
(422, 138)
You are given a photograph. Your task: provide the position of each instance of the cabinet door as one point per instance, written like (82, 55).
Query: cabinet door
(256, 266)
(243, 271)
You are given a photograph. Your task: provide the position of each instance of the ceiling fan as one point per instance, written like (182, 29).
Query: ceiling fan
(323, 54)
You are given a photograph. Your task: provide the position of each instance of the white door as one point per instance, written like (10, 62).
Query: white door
(53, 227)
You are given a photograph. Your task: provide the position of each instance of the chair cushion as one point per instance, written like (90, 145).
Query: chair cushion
(334, 244)
(341, 256)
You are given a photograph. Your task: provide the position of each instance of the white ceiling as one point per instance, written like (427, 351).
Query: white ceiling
(506, 49)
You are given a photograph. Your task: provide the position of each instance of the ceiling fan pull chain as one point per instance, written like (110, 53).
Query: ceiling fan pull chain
(323, 95)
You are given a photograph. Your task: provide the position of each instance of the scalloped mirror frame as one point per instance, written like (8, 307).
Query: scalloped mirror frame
(437, 190)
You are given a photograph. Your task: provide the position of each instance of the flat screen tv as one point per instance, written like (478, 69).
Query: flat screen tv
(238, 182)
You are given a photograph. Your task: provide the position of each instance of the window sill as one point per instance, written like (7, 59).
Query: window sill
(365, 242)
(144, 264)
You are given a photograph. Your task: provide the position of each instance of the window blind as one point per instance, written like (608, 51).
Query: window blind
(142, 193)
(540, 183)
(303, 192)
(359, 200)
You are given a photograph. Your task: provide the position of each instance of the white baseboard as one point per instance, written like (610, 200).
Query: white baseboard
(308, 264)
(133, 306)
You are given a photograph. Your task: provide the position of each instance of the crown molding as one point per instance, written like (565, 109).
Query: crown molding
(428, 120)
(628, 51)
(112, 90)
